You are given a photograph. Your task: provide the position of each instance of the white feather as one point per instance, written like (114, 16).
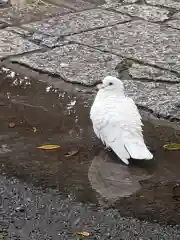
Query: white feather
(117, 122)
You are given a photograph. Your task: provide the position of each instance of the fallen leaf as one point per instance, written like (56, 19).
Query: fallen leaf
(71, 153)
(172, 146)
(83, 234)
(12, 124)
(34, 129)
(48, 147)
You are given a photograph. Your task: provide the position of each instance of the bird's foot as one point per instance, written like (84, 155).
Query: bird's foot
(107, 149)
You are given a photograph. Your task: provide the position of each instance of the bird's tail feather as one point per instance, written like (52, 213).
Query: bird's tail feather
(121, 152)
(137, 149)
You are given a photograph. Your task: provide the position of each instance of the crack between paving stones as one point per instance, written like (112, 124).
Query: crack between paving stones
(146, 109)
(153, 65)
(172, 27)
(42, 50)
(23, 26)
(90, 29)
(133, 18)
(158, 116)
(162, 7)
(126, 58)
(60, 42)
(72, 34)
(53, 74)
(72, 8)
(36, 42)
(154, 81)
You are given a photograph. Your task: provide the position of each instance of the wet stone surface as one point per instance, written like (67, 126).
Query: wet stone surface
(74, 22)
(74, 63)
(149, 13)
(140, 40)
(112, 181)
(12, 44)
(150, 73)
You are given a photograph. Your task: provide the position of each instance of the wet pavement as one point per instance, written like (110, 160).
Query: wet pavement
(34, 113)
(52, 55)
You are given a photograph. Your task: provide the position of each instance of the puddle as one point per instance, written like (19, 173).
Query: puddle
(113, 180)
(34, 114)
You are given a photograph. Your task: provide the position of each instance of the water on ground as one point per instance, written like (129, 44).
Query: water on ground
(34, 113)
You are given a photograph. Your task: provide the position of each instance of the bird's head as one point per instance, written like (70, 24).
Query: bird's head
(110, 83)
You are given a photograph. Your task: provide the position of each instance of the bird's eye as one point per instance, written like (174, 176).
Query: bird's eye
(110, 83)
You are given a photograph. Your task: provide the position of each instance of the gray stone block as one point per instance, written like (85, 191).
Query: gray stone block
(76, 5)
(139, 71)
(78, 22)
(166, 3)
(12, 44)
(150, 13)
(140, 40)
(114, 3)
(160, 98)
(74, 63)
(26, 12)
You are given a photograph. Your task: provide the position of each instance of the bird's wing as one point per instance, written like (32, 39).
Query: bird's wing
(132, 133)
(117, 122)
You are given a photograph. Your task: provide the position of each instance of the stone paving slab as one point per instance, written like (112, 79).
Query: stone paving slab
(44, 40)
(130, 1)
(76, 5)
(74, 63)
(11, 44)
(160, 98)
(149, 13)
(166, 3)
(34, 11)
(38, 38)
(78, 22)
(111, 4)
(19, 31)
(140, 40)
(139, 71)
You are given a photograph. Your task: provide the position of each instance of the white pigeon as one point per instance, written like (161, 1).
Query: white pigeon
(117, 122)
